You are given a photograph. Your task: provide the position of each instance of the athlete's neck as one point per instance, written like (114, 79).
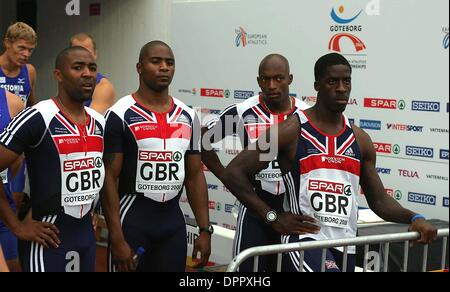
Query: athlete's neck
(328, 122)
(8, 66)
(159, 102)
(283, 106)
(73, 108)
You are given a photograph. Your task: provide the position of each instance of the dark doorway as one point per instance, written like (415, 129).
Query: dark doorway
(26, 12)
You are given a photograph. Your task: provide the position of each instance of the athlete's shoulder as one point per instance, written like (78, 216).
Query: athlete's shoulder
(360, 134)
(97, 116)
(122, 105)
(249, 103)
(185, 107)
(46, 107)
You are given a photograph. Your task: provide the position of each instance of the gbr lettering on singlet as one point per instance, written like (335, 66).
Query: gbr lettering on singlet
(82, 178)
(331, 202)
(160, 172)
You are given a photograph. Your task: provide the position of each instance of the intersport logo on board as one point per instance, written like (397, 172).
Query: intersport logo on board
(405, 128)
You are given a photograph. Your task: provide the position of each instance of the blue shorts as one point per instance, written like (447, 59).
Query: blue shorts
(313, 259)
(8, 242)
(76, 253)
(18, 182)
(159, 228)
(251, 231)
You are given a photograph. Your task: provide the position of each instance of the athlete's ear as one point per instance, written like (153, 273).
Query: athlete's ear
(58, 75)
(7, 43)
(139, 68)
(316, 86)
(291, 79)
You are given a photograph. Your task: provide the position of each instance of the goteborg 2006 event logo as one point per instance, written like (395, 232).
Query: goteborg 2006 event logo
(346, 29)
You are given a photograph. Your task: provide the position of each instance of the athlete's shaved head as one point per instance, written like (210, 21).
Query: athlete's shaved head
(274, 58)
(81, 37)
(62, 57)
(146, 48)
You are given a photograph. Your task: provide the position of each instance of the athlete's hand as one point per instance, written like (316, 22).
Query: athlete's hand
(122, 256)
(428, 232)
(291, 224)
(203, 245)
(43, 233)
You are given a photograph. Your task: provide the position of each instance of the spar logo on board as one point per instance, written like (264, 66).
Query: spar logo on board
(244, 39)
(386, 148)
(384, 103)
(214, 92)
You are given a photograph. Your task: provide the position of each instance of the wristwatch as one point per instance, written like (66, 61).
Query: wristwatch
(209, 230)
(271, 217)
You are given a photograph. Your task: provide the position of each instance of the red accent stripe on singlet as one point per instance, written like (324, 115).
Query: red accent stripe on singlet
(75, 144)
(261, 114)
(313, 140)
(255, 130)
(142, 113)
(66, 124)
(316, 162)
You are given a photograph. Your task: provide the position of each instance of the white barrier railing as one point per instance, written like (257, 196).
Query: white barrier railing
(365, 241)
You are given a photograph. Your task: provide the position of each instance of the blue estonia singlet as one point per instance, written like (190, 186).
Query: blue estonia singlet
(5, 118)
(19, 85)
(100, 77)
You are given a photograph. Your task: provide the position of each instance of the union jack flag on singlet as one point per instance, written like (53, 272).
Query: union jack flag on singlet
(324, 180)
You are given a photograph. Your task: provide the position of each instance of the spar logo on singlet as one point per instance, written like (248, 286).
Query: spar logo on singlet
(331, 202)
(82, 176)
(160, 166)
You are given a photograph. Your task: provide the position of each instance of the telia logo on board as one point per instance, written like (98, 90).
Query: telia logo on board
(244, 39)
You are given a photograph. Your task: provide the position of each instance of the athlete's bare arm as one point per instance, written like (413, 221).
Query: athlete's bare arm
(45, 234)
(197, 194)
(104, 96)
(32, 100)
(3, 265)
(122, 253)
(379, 201)
(210, 157)
(247, 164)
